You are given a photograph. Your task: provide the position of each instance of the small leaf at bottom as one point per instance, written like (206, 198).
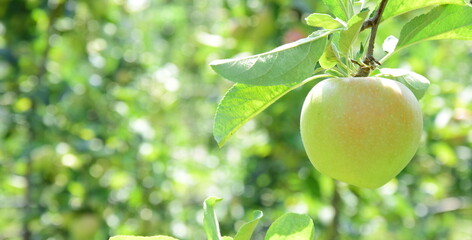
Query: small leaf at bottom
(291, 226)
(245, 232)
(210, 222)
(142, 238)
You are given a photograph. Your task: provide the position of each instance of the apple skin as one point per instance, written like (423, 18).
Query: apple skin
(362, 131)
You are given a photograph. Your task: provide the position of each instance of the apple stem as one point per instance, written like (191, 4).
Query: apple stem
(369, 62)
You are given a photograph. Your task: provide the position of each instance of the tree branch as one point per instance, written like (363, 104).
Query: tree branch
(34, 124)
(369, 62)
(333, 233)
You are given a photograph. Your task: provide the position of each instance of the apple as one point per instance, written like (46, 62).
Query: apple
(362, 131)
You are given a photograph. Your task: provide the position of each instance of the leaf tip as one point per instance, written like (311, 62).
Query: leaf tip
(212, 200)
(218, 139)
(220, 142)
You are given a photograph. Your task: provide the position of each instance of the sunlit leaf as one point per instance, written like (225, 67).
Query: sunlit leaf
(413, 81)
(291, 226)
(340, 8)
(142, 238)
(245, 232)
(330, 56)
(210, 222)
(443, 22)
(243, 102)
(289, 63)
(397, 7)
(349, 36)
(324, 21)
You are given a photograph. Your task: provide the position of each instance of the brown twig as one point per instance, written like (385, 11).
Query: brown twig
(369, 62)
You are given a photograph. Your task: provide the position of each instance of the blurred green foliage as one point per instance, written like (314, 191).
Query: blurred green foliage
(106, 111)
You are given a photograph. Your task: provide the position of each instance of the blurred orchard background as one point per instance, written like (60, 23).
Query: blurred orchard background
(106, 113)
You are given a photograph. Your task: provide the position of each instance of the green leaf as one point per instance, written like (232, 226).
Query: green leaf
(340, 8)
(226, 238)
(360, 53)
(324, 21)
(349, 36)
(210, 222)
(289, 63)
(336, 73)
(330, 56)
(417, 83)
(443, 22)
(291, 226)
(142, 238)
(243, 102)
(397, 7)
(245, 232)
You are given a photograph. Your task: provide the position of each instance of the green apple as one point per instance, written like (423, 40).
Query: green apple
(362, 131)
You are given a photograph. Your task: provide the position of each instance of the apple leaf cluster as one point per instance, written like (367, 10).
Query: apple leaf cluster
(334, 50)
(288, 226)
